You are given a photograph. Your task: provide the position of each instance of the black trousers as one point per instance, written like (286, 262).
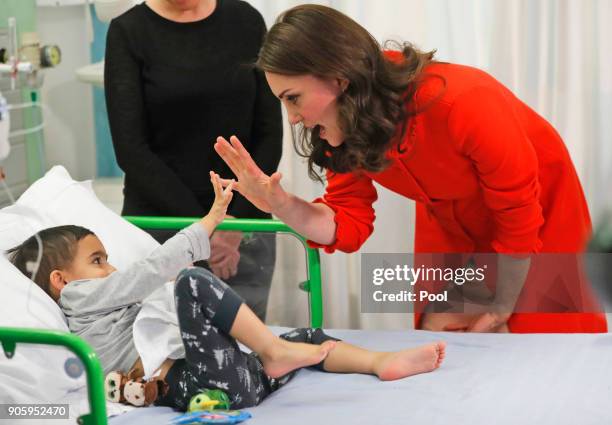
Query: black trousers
(206, 309)
(255, 268)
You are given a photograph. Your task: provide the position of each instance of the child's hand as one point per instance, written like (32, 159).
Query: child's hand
(219, 208)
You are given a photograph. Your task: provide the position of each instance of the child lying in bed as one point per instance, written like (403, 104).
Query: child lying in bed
(101, 304)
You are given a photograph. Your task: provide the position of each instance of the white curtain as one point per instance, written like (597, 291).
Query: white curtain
(556, 55)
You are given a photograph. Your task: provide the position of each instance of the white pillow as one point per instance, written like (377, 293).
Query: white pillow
(56, 200)
(36, 373)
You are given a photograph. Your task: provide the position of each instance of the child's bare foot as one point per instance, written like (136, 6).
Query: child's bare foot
(410, 362)
(285, 356)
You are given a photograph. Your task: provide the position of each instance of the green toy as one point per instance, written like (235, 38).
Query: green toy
(209, 400)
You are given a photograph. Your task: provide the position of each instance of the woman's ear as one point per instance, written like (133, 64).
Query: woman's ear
(343, 83)
(57, 282)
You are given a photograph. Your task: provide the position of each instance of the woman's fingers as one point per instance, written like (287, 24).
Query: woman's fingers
(242, 153)
(228, 154)
(245, 159)
(489, 322)
(225, 268)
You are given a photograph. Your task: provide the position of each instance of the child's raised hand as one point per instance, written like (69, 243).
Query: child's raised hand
(219, 208)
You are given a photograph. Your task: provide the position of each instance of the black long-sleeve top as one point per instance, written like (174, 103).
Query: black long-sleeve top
(172, 88)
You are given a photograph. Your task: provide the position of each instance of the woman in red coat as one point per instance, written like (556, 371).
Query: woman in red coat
(488, 174)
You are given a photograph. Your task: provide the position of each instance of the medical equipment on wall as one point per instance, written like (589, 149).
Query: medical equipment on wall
(5, 125)
(28, 59)
(45, 56)
(5, 146)
(15, 62)
(21, 63)
(6, 134)
(36, 128)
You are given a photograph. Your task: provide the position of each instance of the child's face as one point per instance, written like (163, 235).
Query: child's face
(90, 262)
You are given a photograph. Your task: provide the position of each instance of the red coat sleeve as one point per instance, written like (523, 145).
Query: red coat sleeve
(485, 127)
(351, 196)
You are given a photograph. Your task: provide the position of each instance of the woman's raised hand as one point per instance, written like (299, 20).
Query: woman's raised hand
(263, 191)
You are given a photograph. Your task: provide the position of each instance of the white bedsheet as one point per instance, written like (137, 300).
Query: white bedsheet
(485, 379)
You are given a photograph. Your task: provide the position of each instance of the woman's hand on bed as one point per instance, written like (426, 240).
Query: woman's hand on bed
(445, 322)
(490, 322)
(263, 191)
(464, 322)
(224, 252)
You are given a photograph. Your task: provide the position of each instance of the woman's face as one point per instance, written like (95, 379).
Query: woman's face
(311, 101)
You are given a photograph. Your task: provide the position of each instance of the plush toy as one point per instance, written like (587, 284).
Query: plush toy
(119, 388)
(209, 400)
(113, 386)
(139, 392)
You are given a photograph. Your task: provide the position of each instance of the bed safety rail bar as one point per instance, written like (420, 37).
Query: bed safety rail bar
(312, 285)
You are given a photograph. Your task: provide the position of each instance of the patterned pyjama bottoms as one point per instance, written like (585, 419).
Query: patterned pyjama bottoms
(206, 309)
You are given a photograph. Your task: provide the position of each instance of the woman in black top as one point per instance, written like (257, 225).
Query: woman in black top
(177, 75)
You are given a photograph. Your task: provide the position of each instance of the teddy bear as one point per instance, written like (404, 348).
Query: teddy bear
(113, 386)
(121, 388)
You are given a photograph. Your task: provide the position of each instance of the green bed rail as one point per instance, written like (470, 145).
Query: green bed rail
(312, 285)
(9, 337)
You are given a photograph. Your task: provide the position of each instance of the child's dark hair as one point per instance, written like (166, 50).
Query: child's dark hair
(59, 245)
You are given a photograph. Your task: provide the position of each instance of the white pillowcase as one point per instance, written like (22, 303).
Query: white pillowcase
(36, 373)
(56, 200)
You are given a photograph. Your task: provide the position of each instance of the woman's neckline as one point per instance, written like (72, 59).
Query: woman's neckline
(210, 18)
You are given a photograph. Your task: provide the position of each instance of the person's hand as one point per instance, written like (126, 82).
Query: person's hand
(263, 191)
(445, 322)
(489, 322)
(219, 207)
(464, 322)
(224, 253)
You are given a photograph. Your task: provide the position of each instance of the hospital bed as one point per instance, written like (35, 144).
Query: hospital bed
(9, 337)
(488, 378)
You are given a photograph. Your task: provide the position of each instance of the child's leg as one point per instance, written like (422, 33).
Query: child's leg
(347, 358)
(210, 313)
(206, 309)
(278, 356)
(388, 366)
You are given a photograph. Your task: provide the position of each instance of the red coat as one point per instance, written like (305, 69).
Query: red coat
(488, 174)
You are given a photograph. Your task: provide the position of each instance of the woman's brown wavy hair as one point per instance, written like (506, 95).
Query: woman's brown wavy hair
(320, 41)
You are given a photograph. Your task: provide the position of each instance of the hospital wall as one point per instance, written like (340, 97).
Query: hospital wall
(69, 131)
